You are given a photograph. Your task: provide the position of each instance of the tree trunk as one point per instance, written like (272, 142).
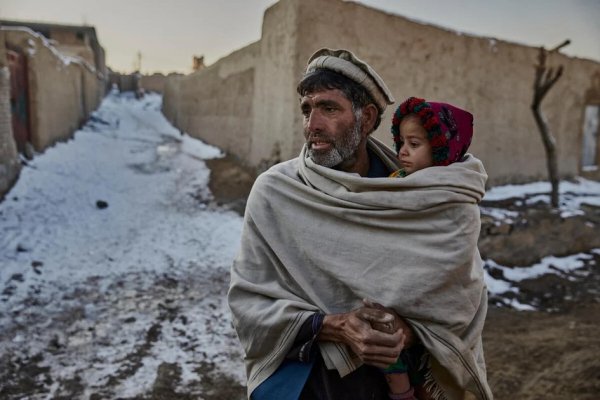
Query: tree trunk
(551, 157)
(544, 80)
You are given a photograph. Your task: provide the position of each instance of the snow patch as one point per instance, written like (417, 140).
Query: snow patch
(107, 235)
(573, 194)
(32, 49)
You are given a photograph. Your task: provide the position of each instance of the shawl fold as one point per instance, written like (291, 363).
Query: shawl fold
(318, 239)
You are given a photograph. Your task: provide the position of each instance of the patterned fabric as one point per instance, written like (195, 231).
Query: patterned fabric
(449, 128)
(413, 361)
(401, 173)
(398, 367)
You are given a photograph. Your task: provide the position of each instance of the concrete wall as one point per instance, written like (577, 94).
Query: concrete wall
(491, 78)
(9, 160)
(62, 93)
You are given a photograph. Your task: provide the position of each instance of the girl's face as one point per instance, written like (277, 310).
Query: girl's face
(415, 150)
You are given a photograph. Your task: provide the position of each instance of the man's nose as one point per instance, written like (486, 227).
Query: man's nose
(314, 122)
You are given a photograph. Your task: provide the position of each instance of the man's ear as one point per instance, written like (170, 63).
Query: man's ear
(369, 116)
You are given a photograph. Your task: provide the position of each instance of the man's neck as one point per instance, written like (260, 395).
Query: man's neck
(359, 163)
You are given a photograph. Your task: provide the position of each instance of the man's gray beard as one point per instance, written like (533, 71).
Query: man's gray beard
(342, 150)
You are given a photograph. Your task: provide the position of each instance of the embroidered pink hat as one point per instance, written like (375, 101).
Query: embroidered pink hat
(449, 129)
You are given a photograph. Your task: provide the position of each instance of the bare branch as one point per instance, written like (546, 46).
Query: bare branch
(560, 46)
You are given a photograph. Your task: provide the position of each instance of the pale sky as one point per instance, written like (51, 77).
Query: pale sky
(169, 32)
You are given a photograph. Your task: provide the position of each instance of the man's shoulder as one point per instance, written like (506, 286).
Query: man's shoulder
(283, 170)
(274, 178)
(287, 168)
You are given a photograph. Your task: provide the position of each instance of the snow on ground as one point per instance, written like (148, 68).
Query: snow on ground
(570, 267)
(110, 252)
(572, 195)
(115, 263)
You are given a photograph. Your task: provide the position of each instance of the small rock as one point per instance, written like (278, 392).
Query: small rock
(55, 344)
(101, 204)
(36, 266)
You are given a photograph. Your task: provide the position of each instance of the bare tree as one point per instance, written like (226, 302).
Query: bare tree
(545, 78)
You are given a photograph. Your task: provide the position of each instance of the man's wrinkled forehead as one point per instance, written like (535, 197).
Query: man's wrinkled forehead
(325, 98)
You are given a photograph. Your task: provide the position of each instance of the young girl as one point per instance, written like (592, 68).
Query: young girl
(426, 134)
(430, 134)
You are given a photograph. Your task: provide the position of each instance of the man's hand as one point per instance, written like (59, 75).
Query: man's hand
(398, 323)
(376, 348)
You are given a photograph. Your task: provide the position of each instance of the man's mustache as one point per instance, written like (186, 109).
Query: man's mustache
(318, 137)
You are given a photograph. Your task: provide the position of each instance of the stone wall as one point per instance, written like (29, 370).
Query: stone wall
(62, 91)
(491, 78)
(9, 160)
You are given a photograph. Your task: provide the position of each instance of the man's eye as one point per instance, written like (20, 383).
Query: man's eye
(330, 109)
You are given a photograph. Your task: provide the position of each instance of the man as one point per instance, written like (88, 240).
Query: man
(317, 241)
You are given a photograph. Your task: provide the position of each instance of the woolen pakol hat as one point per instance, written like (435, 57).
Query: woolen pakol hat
(347, 64)
(449, 129)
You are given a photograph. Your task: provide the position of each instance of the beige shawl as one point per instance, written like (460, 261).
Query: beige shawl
(317, 239)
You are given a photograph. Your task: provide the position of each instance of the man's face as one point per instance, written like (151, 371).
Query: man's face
(330, 128)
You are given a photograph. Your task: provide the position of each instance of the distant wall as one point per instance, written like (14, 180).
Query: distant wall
(9, 160)
(93, 90)
(153, 83)
(216, 103)
(126, 82)
(491, 78)
(62, 92)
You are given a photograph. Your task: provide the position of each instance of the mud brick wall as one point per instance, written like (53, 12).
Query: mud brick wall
(251, 108)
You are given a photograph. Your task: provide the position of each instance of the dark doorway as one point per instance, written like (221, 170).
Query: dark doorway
(19, 99)
(591, 127)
